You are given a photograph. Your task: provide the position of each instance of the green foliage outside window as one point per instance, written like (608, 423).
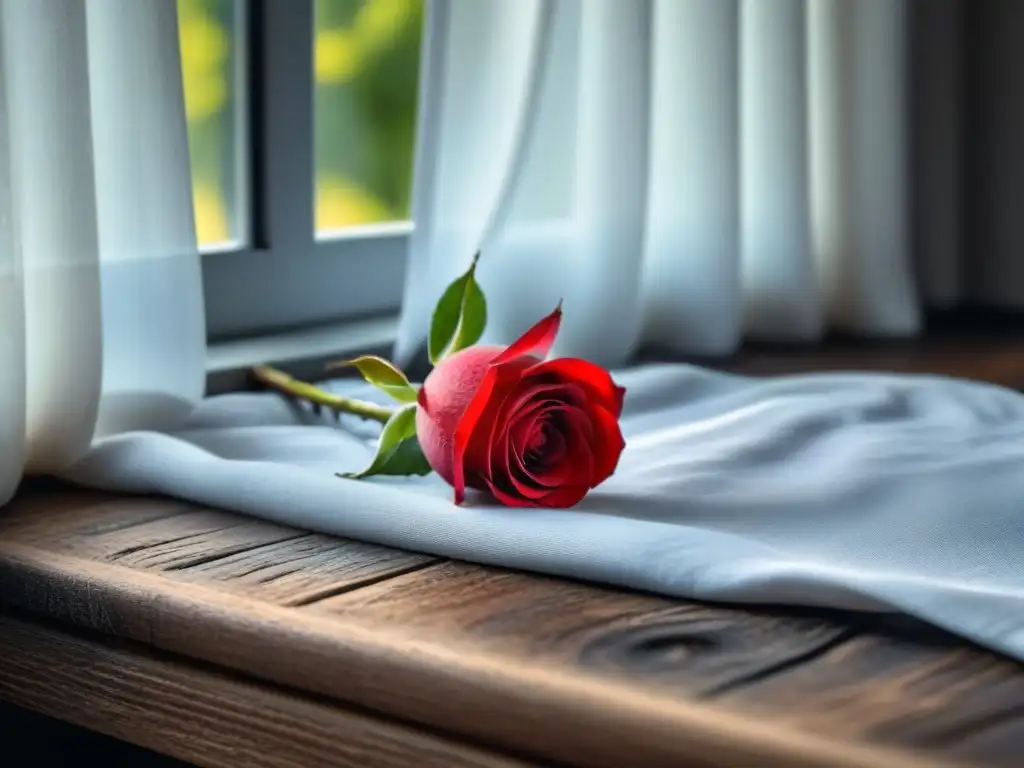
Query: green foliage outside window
(366, 70)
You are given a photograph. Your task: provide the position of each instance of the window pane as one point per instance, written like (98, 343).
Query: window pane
(366, 70)
(211, 40)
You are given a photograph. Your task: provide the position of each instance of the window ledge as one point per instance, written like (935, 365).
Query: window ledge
(302, 352)
(994, 354)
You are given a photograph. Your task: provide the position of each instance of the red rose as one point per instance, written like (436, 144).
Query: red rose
(533, 432)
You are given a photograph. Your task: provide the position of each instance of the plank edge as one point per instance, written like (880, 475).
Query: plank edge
(111, 679)
(600, 722)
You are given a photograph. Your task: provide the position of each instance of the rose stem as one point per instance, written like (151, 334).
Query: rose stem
(279, 381)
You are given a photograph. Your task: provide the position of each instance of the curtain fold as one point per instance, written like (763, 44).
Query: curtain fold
(99, 273)
(12, 307)
(691, 273)
(781, 292)
(611, 176)
(715, 170)
(153, 329)
(859, 164)
(476, 84)
(53, 210)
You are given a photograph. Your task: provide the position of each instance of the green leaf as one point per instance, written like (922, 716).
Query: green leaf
(398, 449)
(404, 460)
(384, 375)
(459, 317)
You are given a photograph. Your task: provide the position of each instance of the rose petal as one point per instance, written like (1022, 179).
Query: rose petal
(535, 392)
(522, 421)
(564, 496)
(504, 465)
(473, 427)
(567, 482)
(580, 453)
(507, 461)
(576, 464)
(499, 412)
(525, 485)
(519, 410)
(463, 430)
(508, 499)
(529, 413)
(528, 400)
(523, 432)
(521, 428)
(607, 444)
(507, 432)
(566, 393)
(597, 434)
(551, 477)
(536, 341)
(555, 446)
(593, 379)
(578, 419)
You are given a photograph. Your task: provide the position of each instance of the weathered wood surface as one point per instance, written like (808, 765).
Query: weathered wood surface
(996, 356)
(546, 670)
(201, 715)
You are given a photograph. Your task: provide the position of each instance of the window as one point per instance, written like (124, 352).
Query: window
(212, 56)
(301, 133)
(366, 57)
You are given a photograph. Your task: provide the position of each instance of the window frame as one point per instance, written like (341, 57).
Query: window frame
(285, 277)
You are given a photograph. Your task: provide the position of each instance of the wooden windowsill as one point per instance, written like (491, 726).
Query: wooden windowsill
(996, 362)
(227, 641)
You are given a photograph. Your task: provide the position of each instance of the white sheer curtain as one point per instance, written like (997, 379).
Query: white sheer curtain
(100, 296)
(689, 172)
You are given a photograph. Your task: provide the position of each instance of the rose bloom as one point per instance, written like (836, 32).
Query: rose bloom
(532, 432)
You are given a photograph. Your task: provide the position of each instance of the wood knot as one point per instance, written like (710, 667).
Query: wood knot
(647, 648)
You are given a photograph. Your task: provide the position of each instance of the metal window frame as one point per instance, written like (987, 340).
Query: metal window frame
(288, 278)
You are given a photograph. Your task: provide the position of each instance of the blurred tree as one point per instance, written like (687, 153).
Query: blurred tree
(366, 72)
(203, 29)
(367, 62)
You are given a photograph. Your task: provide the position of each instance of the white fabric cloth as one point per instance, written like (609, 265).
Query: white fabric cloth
(684, 173)
(869, 492)
(101, 304)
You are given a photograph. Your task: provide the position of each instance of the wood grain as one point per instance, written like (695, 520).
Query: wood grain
(662, 643)
(895, 690)
(187, 543)
(828, 677)
(541, 711)
(552, 670)
(204, 716)
(993, 360)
